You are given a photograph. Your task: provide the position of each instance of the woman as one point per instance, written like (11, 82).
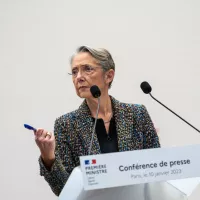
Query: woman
(120, 126)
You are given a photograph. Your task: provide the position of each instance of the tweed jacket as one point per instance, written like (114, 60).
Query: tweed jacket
(73, 133)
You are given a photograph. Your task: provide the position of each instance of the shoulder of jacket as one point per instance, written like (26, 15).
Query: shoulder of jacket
(66, 118)
(133, 107)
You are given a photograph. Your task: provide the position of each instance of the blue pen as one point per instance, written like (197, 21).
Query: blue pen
(30, 127)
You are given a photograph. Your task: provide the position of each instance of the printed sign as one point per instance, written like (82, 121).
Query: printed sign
(140, 166)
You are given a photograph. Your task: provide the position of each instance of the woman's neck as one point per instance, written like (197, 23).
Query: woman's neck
(105, 108)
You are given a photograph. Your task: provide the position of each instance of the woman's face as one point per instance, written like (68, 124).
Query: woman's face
(86, 73)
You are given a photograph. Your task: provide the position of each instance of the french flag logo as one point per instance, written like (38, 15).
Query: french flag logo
(90, 162)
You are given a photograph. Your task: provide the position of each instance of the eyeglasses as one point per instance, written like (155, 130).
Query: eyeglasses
(86, 70)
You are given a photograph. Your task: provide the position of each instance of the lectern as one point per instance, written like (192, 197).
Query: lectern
(153, 174)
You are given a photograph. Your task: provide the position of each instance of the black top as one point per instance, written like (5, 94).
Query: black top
(108, 141)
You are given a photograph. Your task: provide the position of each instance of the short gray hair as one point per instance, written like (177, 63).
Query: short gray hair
(102, 56)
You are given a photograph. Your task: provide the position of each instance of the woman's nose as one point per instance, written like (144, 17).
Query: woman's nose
(80, 75)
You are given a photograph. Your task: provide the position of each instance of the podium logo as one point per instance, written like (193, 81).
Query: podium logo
(90, 162)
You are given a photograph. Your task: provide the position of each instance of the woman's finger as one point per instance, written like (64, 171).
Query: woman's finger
(44, 134)
(48, 135)
(38, 132)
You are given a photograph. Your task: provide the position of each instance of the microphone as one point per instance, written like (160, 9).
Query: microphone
(96, 93)
(146, 88)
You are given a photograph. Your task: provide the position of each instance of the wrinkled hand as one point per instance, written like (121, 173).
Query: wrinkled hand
(46, 143)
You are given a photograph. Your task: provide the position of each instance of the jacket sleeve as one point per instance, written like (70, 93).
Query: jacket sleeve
(63, 165)
(150, 136)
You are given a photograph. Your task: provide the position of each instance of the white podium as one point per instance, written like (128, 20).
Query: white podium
(151, 188)
(184, 189)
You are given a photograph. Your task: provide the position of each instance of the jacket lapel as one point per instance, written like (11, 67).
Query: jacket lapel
(85, 128)
(124, 125)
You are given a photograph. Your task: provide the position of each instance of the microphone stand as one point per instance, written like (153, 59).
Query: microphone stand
(175, 113)
(94, 125)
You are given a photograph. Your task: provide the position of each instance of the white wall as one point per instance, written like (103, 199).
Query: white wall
(157, 41)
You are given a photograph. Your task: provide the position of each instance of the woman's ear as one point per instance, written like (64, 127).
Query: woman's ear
(109, 76)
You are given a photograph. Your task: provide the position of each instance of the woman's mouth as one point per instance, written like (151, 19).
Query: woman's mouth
(83, 87)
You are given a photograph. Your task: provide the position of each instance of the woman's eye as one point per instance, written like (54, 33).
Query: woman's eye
(74, 72)
(88, 68)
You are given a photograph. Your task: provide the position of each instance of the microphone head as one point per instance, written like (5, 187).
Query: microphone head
(146, 88)
(95, 91)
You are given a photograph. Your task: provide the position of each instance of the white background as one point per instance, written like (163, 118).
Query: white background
(156, 41)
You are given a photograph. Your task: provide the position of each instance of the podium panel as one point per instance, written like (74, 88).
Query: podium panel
(147, 191)
(74, 190)
(152, 174)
